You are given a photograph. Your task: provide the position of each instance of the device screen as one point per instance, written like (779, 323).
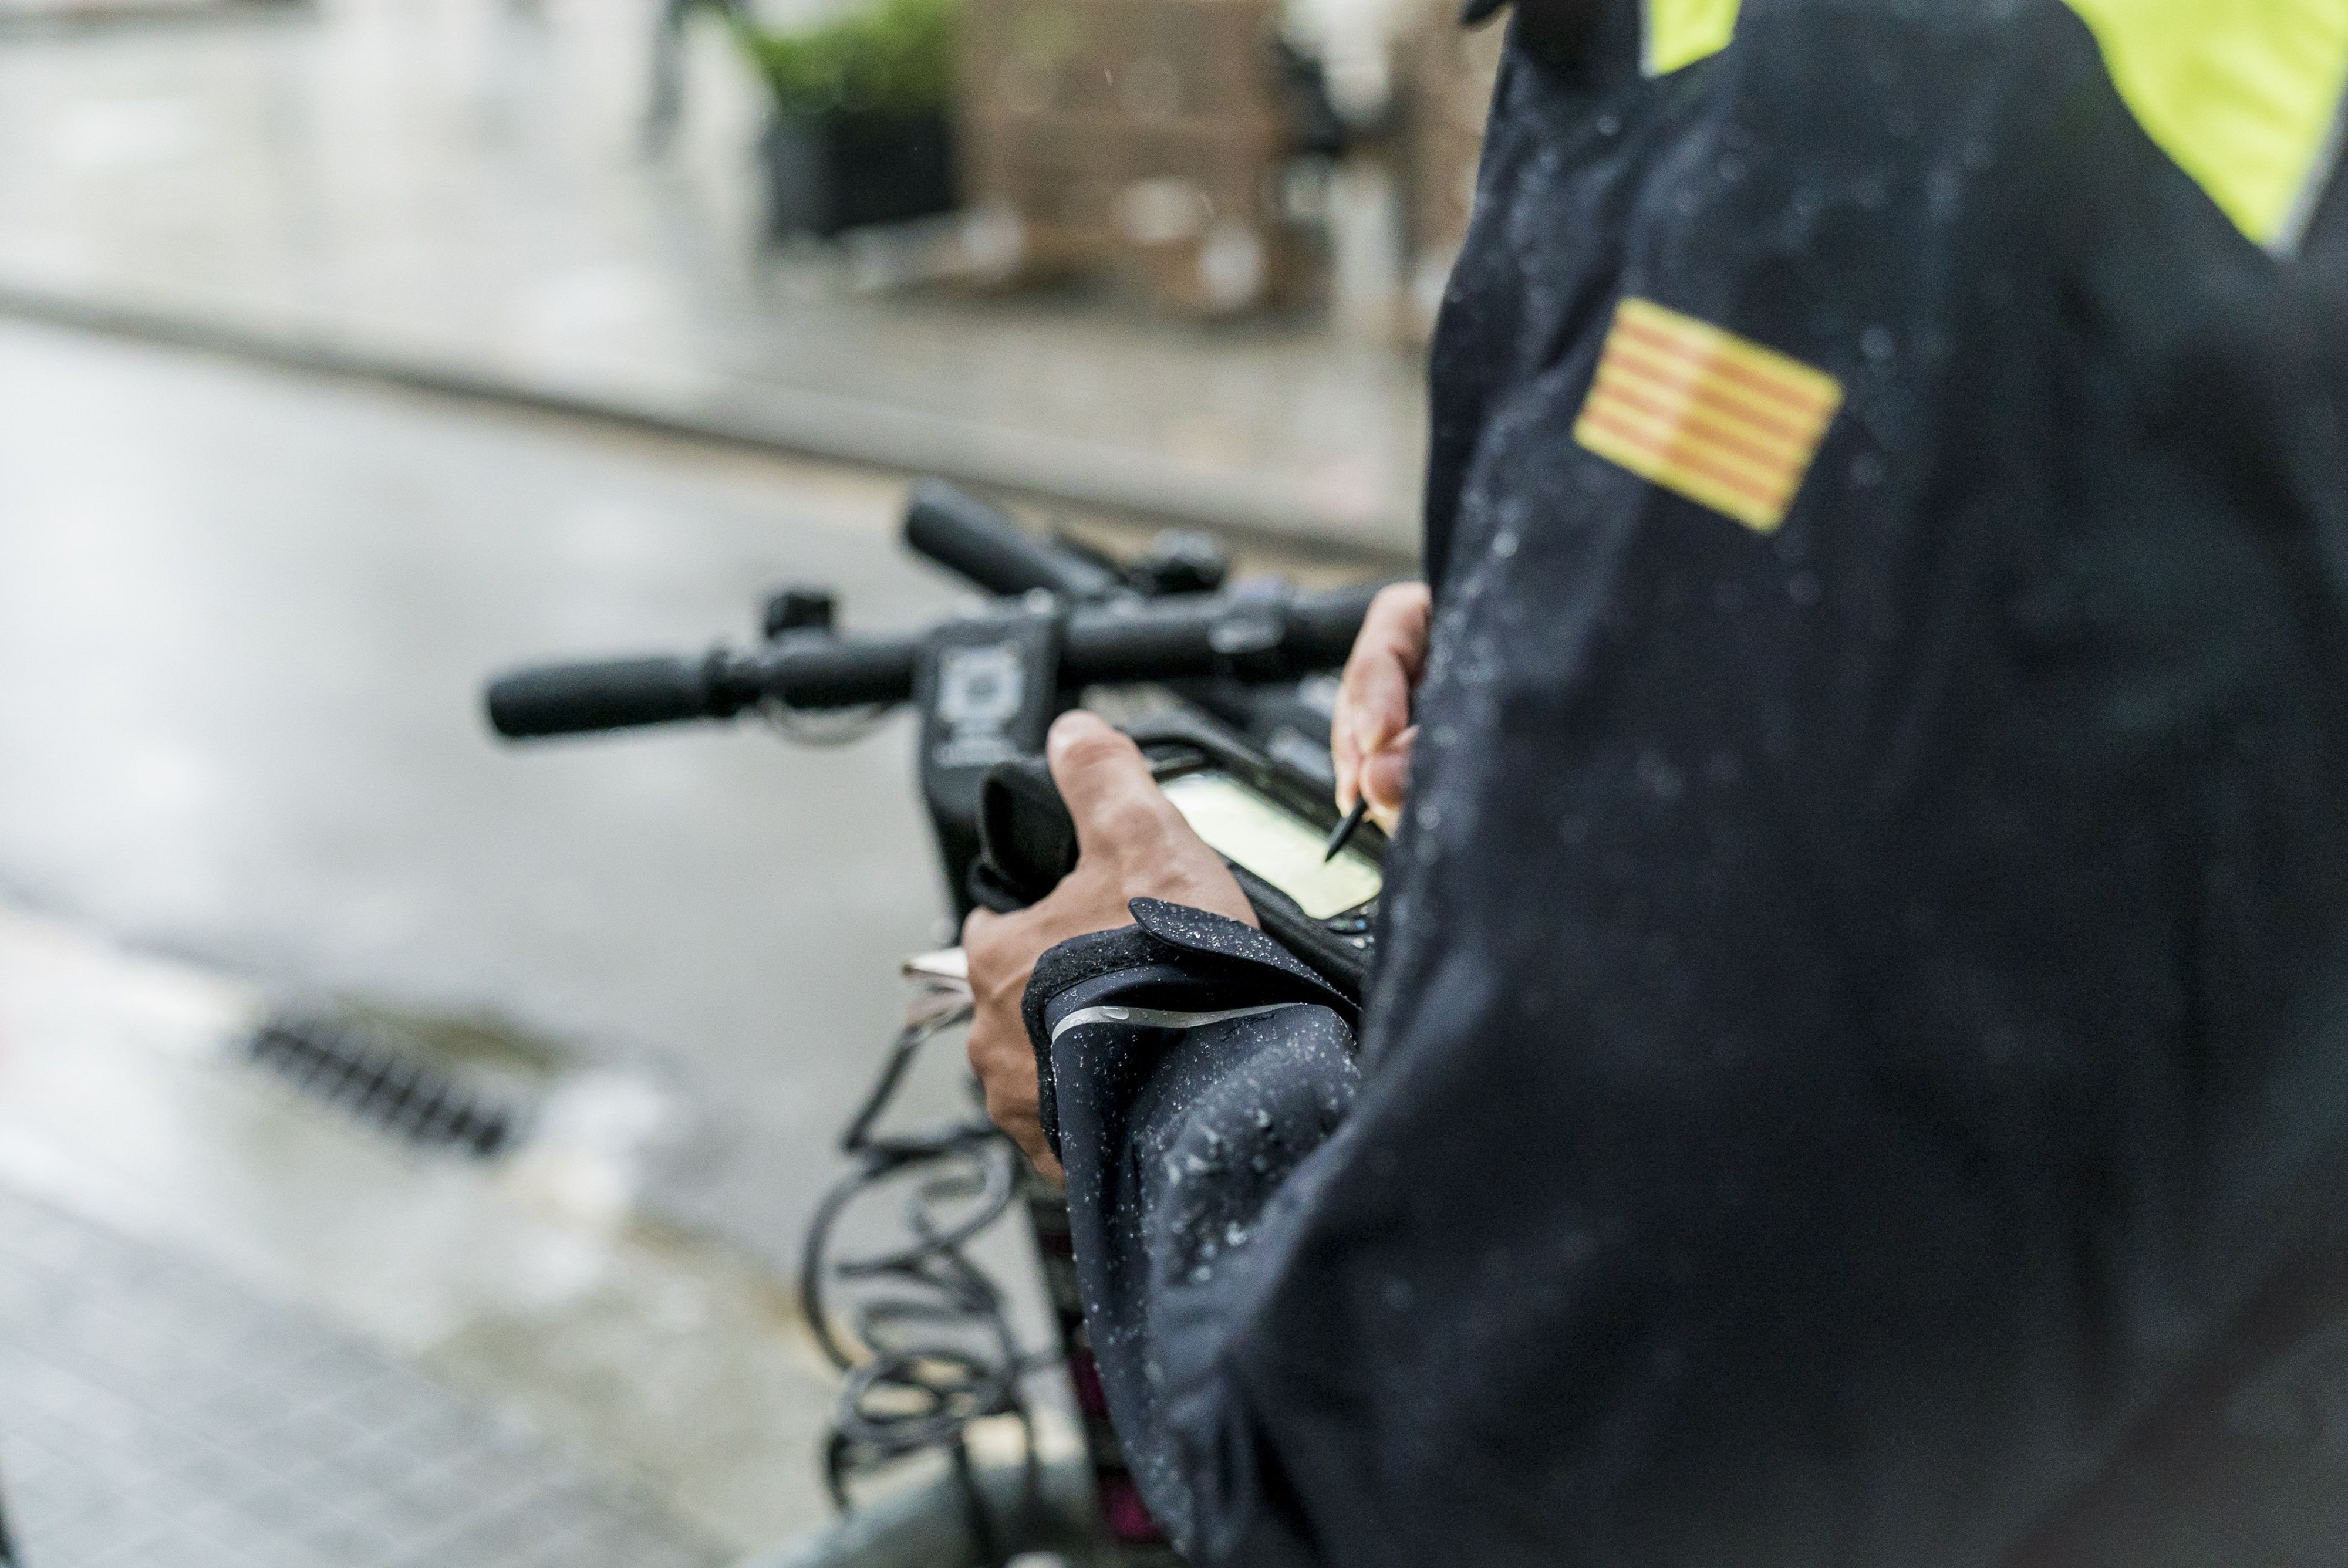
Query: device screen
(1248, 828)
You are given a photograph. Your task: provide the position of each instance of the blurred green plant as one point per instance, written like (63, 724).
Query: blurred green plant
(890, 58)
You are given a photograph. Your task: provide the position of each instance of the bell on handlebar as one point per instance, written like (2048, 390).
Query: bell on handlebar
(1179, 560)
(797, 608)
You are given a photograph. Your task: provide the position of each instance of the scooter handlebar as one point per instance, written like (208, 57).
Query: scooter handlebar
(1257, 638)
(608, 694)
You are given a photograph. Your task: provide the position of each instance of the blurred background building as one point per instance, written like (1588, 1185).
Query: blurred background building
(352, 349)
(1165, 254)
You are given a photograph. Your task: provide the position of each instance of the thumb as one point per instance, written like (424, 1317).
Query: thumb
(1101, 774)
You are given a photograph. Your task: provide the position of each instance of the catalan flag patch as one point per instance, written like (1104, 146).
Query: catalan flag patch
(1705, 413)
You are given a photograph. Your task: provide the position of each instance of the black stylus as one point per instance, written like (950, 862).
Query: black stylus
(1345, 829)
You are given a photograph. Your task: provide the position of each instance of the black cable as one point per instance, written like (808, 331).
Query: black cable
(8, 1547)
(916, 1387)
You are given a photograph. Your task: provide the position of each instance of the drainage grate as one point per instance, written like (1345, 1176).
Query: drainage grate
(352, 1064)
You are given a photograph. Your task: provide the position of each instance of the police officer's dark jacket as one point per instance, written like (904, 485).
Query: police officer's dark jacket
(1858, 1071)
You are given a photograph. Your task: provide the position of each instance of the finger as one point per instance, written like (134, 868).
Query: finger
(1388, 658)
(1406, 616)
(1102, 777)
(1344, 757)
(1039, 1155)
(1374, 695)
(1026, 1129)
(1385, 777)
(1381, 711)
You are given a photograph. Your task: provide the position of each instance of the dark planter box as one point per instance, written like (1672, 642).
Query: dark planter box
(826, 173)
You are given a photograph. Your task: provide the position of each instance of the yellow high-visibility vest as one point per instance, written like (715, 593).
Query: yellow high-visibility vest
(2249, 96)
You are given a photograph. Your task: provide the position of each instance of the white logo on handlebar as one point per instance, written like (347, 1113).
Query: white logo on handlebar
(980, 690)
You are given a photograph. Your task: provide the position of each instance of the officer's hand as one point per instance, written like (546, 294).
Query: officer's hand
(1370, 734)
(1131, 843)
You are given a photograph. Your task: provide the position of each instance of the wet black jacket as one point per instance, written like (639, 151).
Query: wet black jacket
(1857, 1073)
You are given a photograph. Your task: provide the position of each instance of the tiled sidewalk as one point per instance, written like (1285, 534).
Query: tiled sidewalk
(455, 193)
(156, 1417)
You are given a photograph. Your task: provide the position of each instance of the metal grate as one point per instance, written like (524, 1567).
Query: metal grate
(352, 1064)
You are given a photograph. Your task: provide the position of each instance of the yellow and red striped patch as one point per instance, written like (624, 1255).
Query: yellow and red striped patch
(1705, 413)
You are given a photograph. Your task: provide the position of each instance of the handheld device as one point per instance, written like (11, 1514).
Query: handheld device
(1272, 828)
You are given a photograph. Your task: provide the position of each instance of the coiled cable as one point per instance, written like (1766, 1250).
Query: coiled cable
(933, 1349)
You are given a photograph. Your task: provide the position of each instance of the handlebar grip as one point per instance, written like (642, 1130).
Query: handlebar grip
(614, 694)
(1027, 839)
(980, 542)
(1322, 625)
(1169, 639)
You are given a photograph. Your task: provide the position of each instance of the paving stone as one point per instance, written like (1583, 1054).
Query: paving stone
(291, 1467)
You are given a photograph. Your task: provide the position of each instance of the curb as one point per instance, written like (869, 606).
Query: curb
(1028, 464)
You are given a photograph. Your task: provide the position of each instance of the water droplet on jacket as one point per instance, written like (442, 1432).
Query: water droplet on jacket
(1663, 780)
(1804, 589)
(1877, 343)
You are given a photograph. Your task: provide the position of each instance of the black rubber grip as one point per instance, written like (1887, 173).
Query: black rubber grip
(1177, 638)
(981, 543)
(1322, 625)
(614, 694)
(1027, 840)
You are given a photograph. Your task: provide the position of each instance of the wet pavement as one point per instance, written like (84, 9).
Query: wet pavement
(160, 1415)
(237, 1322)
(455, 193)
(243, 619)
(244, 622)
(246, 611)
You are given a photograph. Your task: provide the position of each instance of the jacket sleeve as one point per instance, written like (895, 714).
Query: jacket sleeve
(1191, 1069)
